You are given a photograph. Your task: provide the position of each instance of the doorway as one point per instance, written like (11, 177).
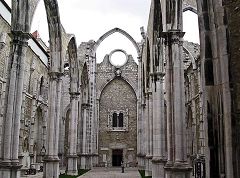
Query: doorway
(117, 157)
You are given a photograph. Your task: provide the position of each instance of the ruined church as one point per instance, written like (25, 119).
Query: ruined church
(173, 111)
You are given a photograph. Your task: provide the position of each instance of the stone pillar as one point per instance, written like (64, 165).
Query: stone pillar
(84, 140)
(51, 160)
(9, 165)
(159, 137)
(22, 128)
(177, 165)
(146, 135)
(150, 136)
(72, 137)
(140, 140)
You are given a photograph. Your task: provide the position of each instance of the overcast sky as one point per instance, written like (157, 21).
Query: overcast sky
(90, 19)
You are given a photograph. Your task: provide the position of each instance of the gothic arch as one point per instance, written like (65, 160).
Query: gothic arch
(191, 57)
(115, 30)
(106, 84)
(73, 63)
(22, 14)
(190, 8)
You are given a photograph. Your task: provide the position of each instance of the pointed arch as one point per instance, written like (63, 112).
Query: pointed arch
(109, 82)
(190, 8)
(191, 57)
(117, 30)
(73, 63)
(54, 27)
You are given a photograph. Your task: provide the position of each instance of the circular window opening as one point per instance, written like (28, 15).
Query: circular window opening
(118, 58)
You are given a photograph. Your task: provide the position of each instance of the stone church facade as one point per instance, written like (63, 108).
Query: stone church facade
(173, 113)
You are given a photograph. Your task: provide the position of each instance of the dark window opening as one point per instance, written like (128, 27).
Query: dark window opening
(41, 86)
(120, 119)
(209, 77)
(117, 120)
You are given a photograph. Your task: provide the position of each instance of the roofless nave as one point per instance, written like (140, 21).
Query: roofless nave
(173, 114)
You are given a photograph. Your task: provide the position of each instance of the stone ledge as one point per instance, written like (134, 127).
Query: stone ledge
(72, 156)
(157, 159)
(178, 167)
(51, 159)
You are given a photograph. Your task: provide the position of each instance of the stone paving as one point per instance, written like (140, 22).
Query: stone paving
(111, 173)
(102, 173)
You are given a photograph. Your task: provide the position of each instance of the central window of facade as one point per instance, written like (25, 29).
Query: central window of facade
(118, 120)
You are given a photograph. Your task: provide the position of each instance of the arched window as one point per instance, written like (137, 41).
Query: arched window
(115, 120)
(120, 119)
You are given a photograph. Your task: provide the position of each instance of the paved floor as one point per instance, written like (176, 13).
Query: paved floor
(102, 173)
(111, 173)
(38, 175)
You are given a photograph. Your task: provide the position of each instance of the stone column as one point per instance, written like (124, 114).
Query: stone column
(51, 160)
(146, 135)
(140, 132)
(159, 137)
(22, 128)
(72, 137)
(150, 135)
(84, 140)
(9, 165)
(177, 165)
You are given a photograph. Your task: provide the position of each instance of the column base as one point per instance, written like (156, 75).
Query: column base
(95, 160)
(158, 164)
(86, 161)
(10, 170)
(148, 169)
(72, 166)
(141, 161)
(178, 170)
(51, 168)
(83, 162)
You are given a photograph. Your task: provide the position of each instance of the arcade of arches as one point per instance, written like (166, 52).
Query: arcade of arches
(174, 113)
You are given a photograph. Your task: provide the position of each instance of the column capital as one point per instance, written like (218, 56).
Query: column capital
(19, 38)
(173, 37)
(55, 75)
(158, 76)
